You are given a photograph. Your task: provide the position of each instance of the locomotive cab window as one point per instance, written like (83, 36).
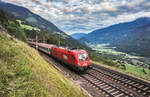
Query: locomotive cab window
(82, 57)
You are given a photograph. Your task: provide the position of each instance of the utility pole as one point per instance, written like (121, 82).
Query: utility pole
(36, 37)
(59, 40)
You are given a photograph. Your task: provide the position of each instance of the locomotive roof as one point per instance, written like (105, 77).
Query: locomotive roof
(79, 51)
(74, 50)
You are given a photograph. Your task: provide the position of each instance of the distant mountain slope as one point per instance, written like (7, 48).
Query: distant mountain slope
(37, 21)
(78, 35)
(139, 43)
(131, 37)
(115, 33)
(22, 31)
(27, 15)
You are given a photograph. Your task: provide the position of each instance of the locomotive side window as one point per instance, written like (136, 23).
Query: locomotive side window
(73, 57)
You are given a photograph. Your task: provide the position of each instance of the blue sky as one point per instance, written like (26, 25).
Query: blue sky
(84, 16)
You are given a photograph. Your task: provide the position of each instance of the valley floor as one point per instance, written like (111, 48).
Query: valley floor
(132, 64)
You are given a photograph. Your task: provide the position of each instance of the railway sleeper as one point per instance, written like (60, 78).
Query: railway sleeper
(114, 93)
(111, 90)
(119, 95)
(107, 88)
(104, 86)
(146, 88)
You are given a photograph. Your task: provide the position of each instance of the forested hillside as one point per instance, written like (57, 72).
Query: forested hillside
(23, 31)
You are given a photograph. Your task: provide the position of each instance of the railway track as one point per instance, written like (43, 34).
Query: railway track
(108, 89)
(110, 83)
(138, 87)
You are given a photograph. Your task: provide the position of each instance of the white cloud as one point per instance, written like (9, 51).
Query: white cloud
(134, 3)
(76, 16)
(107, 6)
(147, 4)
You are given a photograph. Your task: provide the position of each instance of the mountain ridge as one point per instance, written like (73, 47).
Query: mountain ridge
(127, 37)
(23, 13)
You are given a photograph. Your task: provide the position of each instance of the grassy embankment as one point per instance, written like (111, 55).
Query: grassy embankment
(24, 73)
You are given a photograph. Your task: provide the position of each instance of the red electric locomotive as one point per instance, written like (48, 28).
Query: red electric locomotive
(76, 58)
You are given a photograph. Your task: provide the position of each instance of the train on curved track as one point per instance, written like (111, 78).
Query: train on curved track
(76, 58)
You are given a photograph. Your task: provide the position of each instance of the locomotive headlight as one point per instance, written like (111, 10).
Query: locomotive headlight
(85, 64)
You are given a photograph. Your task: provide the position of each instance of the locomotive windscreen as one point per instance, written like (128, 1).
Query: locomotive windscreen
(83, 57)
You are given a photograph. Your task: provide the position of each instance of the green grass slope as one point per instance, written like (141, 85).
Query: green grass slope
(28, 27)
(24, 73)
(139, 72)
